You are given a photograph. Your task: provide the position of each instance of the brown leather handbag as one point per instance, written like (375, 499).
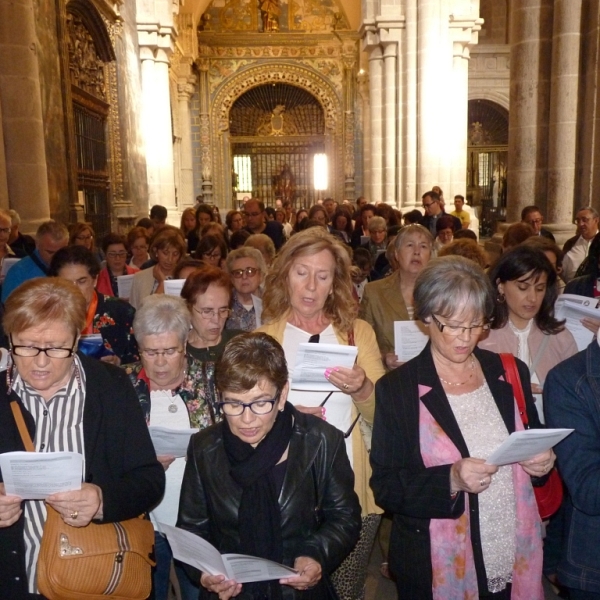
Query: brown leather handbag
(95, 562)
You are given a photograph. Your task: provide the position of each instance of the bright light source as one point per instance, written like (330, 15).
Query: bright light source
(242, 165)
(320, 172)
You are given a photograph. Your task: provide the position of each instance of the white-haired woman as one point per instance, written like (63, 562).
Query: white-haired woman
(247, 269)
(174, 392)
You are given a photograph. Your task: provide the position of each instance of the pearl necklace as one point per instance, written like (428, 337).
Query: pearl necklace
(461, 382)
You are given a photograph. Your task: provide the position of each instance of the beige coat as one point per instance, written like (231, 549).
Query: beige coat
(369, 359)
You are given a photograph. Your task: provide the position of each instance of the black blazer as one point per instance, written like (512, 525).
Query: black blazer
(317, 465)
(404, 486)
(119, 458)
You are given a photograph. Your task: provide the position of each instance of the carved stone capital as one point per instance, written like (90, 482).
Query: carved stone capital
(464, 33)
(185, 88)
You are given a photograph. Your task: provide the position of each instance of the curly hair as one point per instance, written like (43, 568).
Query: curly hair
(340, 307)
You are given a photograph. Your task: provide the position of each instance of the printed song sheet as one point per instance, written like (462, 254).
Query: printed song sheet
(522, 445)
(170, 442)
(313, 359)
(573, 308)
(173, 287)
(124, 283)
(409, 339)
(197, 552)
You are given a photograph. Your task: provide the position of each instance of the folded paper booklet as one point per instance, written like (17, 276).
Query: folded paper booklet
(197, 552)
(523, 445)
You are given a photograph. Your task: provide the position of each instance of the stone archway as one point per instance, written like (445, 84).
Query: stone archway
(268, 73)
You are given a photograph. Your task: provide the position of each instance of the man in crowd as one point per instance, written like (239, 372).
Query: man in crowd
(158, 215)
(577, 247)
(21, 244)
(49, 239)
(361, 225)
(257, 222)
(460, 213)
(532, 215)
(329, 204)
(433, 211)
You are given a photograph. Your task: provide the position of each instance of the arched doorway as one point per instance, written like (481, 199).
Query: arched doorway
(276, 130)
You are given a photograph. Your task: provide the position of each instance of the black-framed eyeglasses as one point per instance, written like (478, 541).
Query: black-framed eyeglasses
(248, 272)
(455, 330)
(233, 408)
(31, 351)
(427, 205)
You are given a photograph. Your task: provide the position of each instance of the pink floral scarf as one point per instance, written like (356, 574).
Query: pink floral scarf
(452, 560)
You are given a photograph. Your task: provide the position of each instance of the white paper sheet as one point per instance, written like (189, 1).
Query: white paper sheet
(7, 263)
(124, 283)
(313, 359)
(410, 338)
(573, 308)
(522, 445)
(173, 287)
(196, 551)
(170, 442)
(37, 475)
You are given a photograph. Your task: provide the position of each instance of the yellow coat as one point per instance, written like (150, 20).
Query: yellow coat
(369, 358)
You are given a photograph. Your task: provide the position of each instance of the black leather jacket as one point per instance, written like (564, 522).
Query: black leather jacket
(320, 513)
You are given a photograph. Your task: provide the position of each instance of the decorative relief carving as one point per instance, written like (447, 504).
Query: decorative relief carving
(277, 123)
(270, 12)
(316, 15)
(205, 148)
(85, 66)
(114, 137)
(321, 50)
(349, 145)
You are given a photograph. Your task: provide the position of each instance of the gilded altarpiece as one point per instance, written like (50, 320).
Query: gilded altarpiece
(303, 43)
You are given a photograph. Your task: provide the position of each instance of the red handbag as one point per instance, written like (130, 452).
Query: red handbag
(550, 495)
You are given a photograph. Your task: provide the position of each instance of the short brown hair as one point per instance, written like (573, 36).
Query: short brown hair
(248, 359)
(165, 237)
(197, 283)
(135, 233)
(43, 300)
(468, 248)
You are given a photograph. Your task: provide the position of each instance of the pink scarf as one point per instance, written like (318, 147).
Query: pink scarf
(452, 560)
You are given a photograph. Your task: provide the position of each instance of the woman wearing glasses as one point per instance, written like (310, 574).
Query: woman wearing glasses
(462, 528)
(174, 392)
(268, 481)
(69, 403)
(247, 269)
(114, 247)
(207, 293)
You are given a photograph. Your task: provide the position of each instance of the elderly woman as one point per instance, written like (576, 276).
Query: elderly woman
(207, 293)
(111, 317)
(271, 469)
(391, 299)
(167, 247)
(247, 269)
(462, 528)
(377, 243)
(70, 403)
(114, 247)
(174, 392)
(308, 297)
(264, 244)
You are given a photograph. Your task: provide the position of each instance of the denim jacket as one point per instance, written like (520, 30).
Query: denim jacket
(572, 399)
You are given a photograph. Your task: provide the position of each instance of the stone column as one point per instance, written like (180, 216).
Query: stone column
(530, 61)
(562, 138)
(22, 122)
(376, 93)
(3, 174)
(389, 126)
(205, 145)
(410, 197)
(350, 100)
(185, 89)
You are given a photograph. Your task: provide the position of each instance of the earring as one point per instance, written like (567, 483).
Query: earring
(500, 298)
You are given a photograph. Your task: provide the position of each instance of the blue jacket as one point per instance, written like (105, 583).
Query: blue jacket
(572, 399)
(24, 270)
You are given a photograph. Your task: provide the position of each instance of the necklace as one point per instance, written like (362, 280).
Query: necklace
(461, 382)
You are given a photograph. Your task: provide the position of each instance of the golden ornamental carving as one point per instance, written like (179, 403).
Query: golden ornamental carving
(321, 50)
(85, 66)
(270, 11)
(114, 137)
(277, 123)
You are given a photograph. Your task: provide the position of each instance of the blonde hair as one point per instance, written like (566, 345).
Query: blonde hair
(42, 300)
(340, 307)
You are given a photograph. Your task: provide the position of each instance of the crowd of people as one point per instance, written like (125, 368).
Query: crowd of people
(202, 326)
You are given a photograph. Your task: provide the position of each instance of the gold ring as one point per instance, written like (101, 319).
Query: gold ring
(74, 514)
(345, 386)
(482, 482)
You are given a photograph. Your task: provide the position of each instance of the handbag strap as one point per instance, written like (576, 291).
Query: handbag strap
(18, 415)
(512, 376)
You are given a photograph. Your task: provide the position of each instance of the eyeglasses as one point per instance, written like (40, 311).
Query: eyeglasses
(258, 407)
(210, 313)
(167, 352)
(255, 214)
(455, 330)
(215, 255)
(5, 230)
(427, 205)
(248, 272)
(583, 219)
(83, 238)
(534, 221)
(31, 351)
(116, 254)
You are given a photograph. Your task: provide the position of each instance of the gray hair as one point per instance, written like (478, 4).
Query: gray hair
(450, 282)
(247, 252)
(377, 223)
(413, 229)
(592, 210)
(57, 231)
(162, 313)
(15, 219)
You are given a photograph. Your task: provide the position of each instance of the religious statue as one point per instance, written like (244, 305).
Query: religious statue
(284, 184)
(269, 12)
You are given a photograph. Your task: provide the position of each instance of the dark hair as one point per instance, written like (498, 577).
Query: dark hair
(270, 211)
(516, 234)
(113, 238)
(589, 267)
(158, 212)
(528, 210)
(208, 243)
(547, 245)
(238, 238)
(465, 234)
(146, 223)
(342, 212)
(459, 196)
(206, 209)
(136, 233)
(260, 203)
(74, 255)
(515, 264)
(197, 283)
(412, 216)
(248, 359)
(468, 248)
(315, 209)
(362, 258)
(367, 207)
(229, 217)
(387, 212)
(186, 263)
(444, 222)
(435, 197)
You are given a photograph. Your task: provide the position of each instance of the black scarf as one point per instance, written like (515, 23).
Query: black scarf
(259, 515)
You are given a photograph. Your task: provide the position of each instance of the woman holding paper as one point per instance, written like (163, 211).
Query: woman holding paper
(175, 391)
(268, 481)
(308, 298)
(111, 317)
(114, 247)
(462, 528)
(69, 403)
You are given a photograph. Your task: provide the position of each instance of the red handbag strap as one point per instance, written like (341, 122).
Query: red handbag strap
(512, 376)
